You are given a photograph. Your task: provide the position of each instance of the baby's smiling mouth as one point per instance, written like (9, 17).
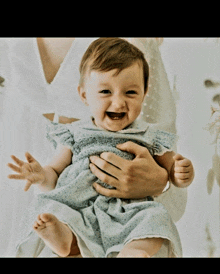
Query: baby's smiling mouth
(115, 115)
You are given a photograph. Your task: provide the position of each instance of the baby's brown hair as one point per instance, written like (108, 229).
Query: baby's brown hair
(105, 54)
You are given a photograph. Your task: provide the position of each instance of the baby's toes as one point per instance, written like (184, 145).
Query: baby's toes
(35, 225)
(39, 224)
(40, 221)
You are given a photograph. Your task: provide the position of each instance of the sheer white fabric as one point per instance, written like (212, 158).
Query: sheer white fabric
(26, 95)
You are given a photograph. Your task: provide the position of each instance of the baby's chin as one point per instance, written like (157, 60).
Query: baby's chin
(113, 128)
(113, 124)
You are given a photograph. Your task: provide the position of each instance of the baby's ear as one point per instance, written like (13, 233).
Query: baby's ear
(82, 94)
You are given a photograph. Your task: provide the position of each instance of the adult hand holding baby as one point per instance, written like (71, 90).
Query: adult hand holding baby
(132, 179)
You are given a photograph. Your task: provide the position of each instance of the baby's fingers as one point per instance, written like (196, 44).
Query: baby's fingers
(28, 185)
(29, 157)
(17, 161)
(16, 176)
(182, 169)
(15, 168)
(182, 176)
(183, 163)
(178, 157)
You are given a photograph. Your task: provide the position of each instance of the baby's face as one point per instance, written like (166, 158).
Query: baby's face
(115, 101)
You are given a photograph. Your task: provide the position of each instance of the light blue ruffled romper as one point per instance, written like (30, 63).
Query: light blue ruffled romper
(101, 224)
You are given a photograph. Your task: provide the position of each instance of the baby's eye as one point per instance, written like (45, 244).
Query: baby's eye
(131, 92)
(105, 91)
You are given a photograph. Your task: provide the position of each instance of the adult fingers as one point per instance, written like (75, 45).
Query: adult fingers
(105, 166)
(114, 159)
(137, 150)
(108, 192)
(103, 176)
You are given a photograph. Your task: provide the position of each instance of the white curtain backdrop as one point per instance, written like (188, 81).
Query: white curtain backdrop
(189, 62)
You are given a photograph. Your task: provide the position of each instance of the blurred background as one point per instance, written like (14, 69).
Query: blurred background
(193, 69)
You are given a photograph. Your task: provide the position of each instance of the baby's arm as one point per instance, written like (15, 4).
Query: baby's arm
(61, 160)
(46, 177)
(180, 169)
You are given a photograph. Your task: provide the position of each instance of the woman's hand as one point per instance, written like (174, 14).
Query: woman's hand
(31, 171)
(134, 179)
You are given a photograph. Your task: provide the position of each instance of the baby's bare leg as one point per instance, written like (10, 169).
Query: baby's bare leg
(145, 248)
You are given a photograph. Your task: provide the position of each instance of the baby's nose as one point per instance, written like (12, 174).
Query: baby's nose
(118, 103)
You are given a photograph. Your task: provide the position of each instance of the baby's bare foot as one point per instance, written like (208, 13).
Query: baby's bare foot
(55, 234)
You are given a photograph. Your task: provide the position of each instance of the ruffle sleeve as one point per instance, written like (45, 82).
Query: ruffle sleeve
(60, 134)
(163, 142)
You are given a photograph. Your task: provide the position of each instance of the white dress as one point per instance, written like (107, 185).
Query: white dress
(27, 95)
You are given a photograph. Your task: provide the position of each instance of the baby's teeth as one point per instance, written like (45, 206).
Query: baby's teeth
(116, 116)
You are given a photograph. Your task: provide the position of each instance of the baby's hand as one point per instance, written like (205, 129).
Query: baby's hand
(31, 171)
(183, 171)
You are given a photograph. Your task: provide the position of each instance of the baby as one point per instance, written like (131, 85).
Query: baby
(113, 84)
